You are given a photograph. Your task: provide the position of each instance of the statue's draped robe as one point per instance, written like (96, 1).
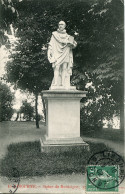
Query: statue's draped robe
(61, 52)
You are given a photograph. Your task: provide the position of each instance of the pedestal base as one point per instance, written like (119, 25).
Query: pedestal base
(62, 144)
(62, 120)
(63, 113)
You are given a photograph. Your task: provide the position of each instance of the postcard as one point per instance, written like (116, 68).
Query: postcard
(61, 97)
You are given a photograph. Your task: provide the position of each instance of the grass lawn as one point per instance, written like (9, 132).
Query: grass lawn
(105, 133)
(26, 156)
(28, 159)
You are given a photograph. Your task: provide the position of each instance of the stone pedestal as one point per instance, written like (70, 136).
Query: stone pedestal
(62, 118)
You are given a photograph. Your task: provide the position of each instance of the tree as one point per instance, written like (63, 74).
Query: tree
(99, 105)
(29, 68)
(98, 58)
(27, 110)
(6, 103)
(8, 15)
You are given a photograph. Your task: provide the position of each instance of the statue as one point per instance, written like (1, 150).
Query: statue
(61, 56)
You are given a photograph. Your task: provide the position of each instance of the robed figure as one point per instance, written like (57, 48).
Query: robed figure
(61, 56)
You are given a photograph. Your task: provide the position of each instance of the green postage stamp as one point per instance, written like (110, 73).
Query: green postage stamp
(104, 173)
(102, 178)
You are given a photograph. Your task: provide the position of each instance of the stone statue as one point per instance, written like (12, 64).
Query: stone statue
(61, 56)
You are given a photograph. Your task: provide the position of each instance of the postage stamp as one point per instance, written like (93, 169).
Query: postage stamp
(105, 172)
(102, 178)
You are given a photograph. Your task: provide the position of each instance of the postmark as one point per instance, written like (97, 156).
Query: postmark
(105, 172)
(15, 180)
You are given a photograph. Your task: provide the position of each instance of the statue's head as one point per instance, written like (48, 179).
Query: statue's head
(62, 25)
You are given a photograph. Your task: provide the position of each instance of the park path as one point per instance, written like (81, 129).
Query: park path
(118, 147)
(13, 132)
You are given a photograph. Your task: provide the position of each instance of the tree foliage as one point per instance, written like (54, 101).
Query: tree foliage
(27, 110)
(8, 15)
(97, 27)
(6, 103)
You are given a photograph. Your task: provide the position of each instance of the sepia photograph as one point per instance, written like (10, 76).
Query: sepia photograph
(62, 97)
